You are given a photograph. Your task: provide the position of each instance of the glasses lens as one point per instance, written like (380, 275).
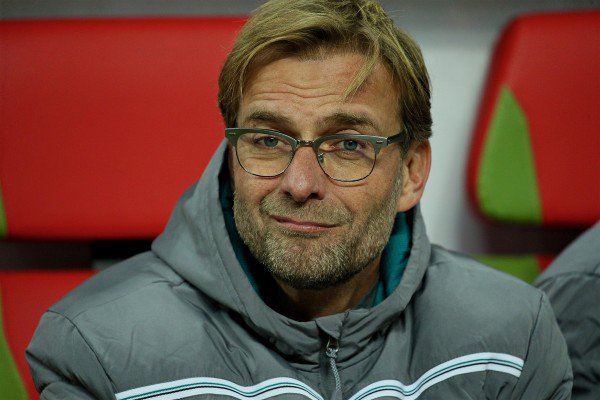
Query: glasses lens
(346, 159)
(263, 154)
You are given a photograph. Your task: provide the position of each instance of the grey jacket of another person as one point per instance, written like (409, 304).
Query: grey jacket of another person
(572, 283)
(184, 322)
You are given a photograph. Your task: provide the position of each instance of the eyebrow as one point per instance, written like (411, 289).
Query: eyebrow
(350, 119)
(267, 116)
(337, 118)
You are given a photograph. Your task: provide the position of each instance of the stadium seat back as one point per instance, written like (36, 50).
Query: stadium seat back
(536, 151)
(104, 123)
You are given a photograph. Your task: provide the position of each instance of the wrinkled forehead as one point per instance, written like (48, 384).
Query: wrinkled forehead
(379, 78)
(319, 52)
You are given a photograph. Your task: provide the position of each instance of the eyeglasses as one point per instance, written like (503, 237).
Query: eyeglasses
(343, 157)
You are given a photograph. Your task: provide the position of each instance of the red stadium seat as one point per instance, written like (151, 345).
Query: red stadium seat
(536, 150)
(104, 123)
(535, 157)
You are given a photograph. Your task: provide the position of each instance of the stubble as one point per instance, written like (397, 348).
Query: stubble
(316, 260)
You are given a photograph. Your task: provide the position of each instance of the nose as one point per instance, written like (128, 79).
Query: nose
(304, 179)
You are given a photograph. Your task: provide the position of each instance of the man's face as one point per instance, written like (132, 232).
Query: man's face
(310, 231)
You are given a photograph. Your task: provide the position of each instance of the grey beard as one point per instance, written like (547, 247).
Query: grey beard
(317, 261)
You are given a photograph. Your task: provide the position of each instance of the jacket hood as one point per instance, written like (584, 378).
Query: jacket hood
(196, 245)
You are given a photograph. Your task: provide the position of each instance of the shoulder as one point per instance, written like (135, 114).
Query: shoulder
(128, 281)
(140, 291)
(469, 301)
(70, 346)
(127, 320)
(467, 307)
(459, 277)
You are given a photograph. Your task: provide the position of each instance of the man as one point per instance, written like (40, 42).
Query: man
(572, 283)
(298, 267)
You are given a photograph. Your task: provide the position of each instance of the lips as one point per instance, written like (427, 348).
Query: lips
(302, 226)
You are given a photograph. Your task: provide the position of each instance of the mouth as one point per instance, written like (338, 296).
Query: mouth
(302, 226)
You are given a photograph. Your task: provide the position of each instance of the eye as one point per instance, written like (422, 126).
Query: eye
(345, 145)
(350, 145)
(270, 142)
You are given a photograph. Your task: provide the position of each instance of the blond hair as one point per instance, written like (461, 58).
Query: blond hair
(314, 28)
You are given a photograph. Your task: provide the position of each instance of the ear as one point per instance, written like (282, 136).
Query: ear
(415, 171)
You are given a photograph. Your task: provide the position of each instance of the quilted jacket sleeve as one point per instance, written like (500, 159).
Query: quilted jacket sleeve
(572, 284)
(576, 302)
(547, 370)
(62, 364)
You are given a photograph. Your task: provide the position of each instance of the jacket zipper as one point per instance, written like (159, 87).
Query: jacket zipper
(331, 352)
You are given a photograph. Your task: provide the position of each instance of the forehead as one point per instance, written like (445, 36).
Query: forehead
(311, 87)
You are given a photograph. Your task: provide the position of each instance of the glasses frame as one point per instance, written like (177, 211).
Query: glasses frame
(378, 142)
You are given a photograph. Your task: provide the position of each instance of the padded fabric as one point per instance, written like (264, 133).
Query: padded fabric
(104, 123)
(536, 150)
(24, 296)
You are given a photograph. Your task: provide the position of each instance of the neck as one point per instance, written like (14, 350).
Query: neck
(308, 304)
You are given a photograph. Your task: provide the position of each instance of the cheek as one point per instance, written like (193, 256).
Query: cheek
(378, 187)
(390, 173)
(374, 194)
(250, 189)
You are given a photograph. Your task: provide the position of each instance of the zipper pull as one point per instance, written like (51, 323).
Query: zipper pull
(331, 353)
